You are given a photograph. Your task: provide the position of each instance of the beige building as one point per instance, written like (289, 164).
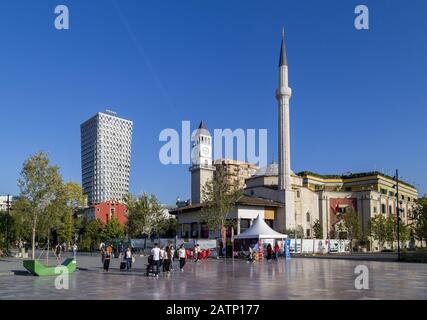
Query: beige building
(237, 171)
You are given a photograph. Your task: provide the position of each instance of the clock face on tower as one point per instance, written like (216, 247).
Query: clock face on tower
(205, 151)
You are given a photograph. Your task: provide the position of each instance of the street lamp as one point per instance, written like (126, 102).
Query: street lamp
(396, 186)
(8, 204)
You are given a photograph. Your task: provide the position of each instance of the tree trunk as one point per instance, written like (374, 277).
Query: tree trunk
(47, 253)
(33, 245)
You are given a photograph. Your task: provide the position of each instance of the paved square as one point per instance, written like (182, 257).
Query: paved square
(298, 278)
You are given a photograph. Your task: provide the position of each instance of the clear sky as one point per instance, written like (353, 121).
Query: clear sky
(359, 97)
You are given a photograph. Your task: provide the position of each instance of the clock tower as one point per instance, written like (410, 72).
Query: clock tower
(201, 158)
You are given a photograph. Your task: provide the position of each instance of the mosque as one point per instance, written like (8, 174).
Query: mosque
(289, 201)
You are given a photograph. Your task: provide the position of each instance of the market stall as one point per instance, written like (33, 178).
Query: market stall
(258, 236)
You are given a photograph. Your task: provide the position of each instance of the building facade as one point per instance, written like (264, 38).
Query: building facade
(237, 171)
(6, 201)
(105, 157)
(106, 211)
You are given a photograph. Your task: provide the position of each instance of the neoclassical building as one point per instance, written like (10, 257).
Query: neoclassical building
(287, 200)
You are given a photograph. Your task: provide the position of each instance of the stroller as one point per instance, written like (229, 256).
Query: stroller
(150, 266)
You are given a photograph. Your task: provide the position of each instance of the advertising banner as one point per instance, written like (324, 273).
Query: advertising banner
(288, 249)
(334, 246)
(295, 246)
(307, 246)
(321, 246)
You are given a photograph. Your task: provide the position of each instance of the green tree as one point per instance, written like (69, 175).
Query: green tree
(38, 184)
(377, 229)
(219, 197)
(92, 234)
(145, 215)
(390, 227)
(317, 229)
(419, 226)
(352, 225)
(298, 232)
(72, 200)
(113, 230)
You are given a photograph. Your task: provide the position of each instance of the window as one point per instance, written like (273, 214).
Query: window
(390, 209)
(375, 209)
(298, 194)
(308, 216)
(391, 193)
(383, 208)
(307, 232)
(383, 191)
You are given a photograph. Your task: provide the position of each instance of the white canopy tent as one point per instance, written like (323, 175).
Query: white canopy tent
(260, 230)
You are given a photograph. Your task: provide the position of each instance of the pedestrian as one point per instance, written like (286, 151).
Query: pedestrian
(75, 250)
(276, 251)
(162, 258)
(120, 250)
(196, 253)
(173, 256)
(155, 252)
(58, 250)
(107, 260)
(167, 259)
(182, 256)
(269, 252)
(128, 258)
(103, 252)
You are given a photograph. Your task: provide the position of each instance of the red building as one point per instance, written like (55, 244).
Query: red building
(106, 211)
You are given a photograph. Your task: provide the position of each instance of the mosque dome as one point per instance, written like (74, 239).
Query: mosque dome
(271, 170)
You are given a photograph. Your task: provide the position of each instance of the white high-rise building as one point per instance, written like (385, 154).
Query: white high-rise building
(105, 155)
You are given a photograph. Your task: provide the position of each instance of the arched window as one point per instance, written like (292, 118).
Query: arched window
(308, 216)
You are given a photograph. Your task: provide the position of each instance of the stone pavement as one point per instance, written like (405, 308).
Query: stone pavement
(298, 278)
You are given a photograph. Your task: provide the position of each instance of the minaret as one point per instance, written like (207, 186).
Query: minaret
(283, 95)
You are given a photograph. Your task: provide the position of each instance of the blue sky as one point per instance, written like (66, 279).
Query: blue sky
(359, 97)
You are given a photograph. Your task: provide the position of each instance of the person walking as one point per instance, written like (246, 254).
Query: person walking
(162, 258)
(173, 257)
(58, 250)
(103, 252)
(276, 251)
(182, 256)
(167, 259)
(269, 252)
(128, 258)
(75, 251)
(107, 260)
(196, 253)
(155, 252)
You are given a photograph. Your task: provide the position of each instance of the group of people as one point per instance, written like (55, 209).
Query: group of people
(164, 257)
(160, 257)
(272, 254)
